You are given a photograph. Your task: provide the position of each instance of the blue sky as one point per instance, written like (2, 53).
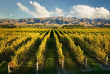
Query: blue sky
(48, 8)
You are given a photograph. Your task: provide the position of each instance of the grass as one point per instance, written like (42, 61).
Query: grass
(70, 64)
(50, 58)
(92, 64)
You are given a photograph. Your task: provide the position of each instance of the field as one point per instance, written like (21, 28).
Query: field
(54, 51)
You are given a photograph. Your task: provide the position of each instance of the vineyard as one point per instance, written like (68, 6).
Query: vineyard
(54, 51)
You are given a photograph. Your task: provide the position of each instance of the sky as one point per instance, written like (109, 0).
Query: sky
(17, 9)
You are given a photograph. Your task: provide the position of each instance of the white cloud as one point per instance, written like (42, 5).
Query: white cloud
(79, 11)
(25, 9)
(84, 11)
(69, 15)
(11, 15)
(40, 10)
(57, 12)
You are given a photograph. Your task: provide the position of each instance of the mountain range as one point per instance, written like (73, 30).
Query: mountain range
(56, 21)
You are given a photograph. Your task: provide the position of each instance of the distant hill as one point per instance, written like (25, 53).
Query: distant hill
(55, 21)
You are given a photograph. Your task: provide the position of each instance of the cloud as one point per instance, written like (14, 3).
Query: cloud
(78, 11)
(11, 15)
(25, 9)
(40, 10)
(57, 12)
(84, 11)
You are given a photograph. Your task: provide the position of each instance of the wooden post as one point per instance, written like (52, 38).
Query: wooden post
(62, 62)
(106, 60)
(86, 61)
(37, 67)
(9, 69)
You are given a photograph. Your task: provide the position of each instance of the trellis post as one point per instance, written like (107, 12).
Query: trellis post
(37, 67)
(9, 69)
(62, 62)
(106, 60)
(86, 61)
